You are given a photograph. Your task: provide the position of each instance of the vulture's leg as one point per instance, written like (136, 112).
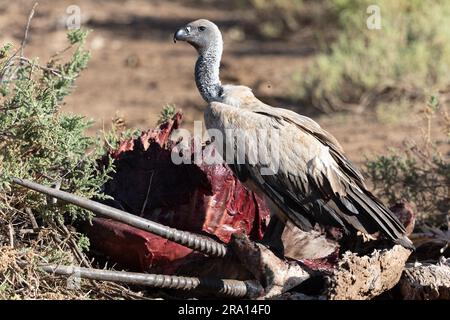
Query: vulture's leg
(273, 234)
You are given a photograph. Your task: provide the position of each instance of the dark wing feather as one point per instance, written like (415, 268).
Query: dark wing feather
(331, 195)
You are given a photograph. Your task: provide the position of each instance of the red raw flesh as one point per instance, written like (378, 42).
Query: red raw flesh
(204, 199)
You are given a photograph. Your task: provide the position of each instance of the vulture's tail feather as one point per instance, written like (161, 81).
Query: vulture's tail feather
(405, 242)
(374, 216)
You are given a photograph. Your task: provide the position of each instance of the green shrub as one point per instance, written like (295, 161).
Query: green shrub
(409, 56)
(418, 172)
(39, 141)
(167, 113)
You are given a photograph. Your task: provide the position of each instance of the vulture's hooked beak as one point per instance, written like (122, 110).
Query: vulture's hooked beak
(181, 34)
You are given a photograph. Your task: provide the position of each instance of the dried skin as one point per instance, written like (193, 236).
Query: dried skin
(426, 282)
(365, 277)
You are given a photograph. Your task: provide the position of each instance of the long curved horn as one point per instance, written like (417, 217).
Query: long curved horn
(196, 242)
(222, 287)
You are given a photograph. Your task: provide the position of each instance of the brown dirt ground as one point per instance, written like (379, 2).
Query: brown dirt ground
(136, 68)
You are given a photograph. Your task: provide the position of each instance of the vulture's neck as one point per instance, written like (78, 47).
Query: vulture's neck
(207, 73)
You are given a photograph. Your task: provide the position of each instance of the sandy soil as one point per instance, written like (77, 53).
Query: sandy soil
(136, 68)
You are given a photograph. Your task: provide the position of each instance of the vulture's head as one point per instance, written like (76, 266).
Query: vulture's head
(202, 34)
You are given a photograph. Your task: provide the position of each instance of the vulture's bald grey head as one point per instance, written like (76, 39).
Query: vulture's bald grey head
(206, 38)
(202, 34)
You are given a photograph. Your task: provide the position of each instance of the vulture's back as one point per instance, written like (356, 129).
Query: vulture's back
(298, 166)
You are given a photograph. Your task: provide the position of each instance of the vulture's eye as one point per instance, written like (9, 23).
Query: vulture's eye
(202, 28)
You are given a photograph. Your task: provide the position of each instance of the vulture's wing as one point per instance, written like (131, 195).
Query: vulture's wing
(311, 179)
(251, 103)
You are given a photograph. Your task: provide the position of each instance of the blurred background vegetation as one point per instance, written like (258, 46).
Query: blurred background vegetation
(408, 58)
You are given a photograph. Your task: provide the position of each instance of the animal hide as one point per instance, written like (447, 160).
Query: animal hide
(204, 199)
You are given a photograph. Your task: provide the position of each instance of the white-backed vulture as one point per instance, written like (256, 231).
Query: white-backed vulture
(313, 181)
